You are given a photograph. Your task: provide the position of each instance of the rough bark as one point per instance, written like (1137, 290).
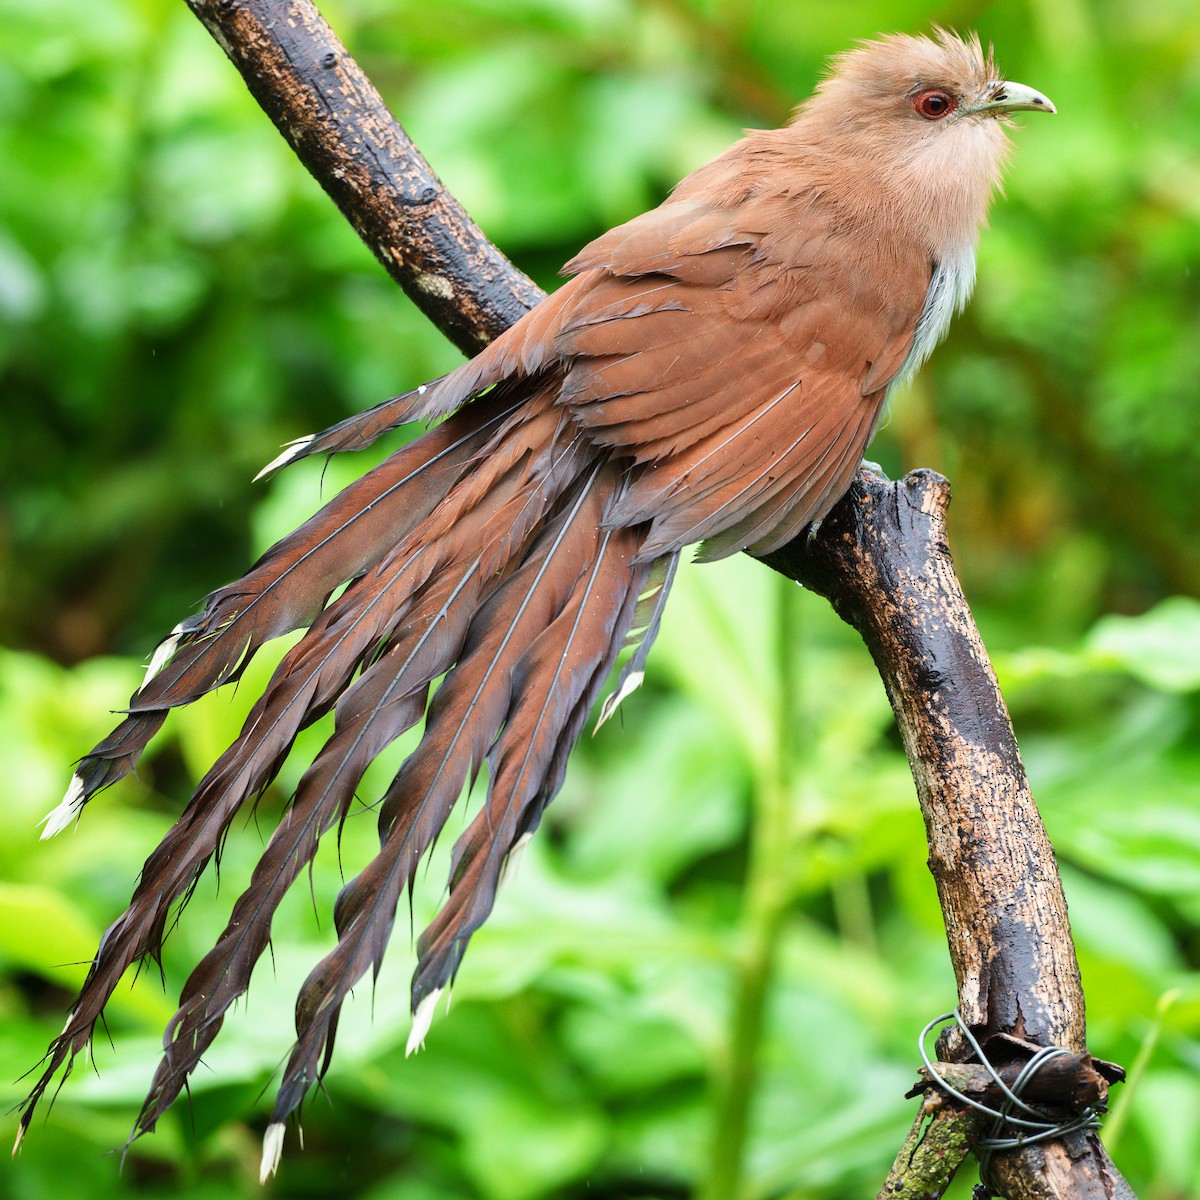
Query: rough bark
(880, 558)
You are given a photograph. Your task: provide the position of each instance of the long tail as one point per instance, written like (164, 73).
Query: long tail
(477, 552)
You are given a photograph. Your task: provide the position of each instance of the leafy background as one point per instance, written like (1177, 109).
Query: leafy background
(177, 298)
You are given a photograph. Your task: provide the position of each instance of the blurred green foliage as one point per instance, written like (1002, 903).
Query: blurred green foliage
(177, 298)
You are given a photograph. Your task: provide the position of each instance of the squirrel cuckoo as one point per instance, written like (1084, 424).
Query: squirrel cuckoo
(711, 373)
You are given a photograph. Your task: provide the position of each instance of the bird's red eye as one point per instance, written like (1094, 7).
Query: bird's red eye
(934, 104)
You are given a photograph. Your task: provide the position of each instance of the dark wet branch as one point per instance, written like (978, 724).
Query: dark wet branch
(881, 560)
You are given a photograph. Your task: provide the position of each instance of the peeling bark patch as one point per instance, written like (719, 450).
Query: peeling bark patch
(433, 285)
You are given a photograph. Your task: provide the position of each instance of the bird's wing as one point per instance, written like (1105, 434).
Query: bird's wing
(741, 356)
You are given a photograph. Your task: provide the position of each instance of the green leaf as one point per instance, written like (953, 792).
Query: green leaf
(1161, 647)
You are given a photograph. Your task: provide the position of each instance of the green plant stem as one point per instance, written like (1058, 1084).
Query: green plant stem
(1115, 1125)
(768, 892)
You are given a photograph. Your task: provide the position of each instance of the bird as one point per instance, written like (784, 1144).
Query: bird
(710, 373)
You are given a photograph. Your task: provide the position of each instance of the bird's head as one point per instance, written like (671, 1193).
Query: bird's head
(925, 85)
(925, 115)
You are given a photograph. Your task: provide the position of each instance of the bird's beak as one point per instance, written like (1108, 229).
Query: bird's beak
(1014, 97)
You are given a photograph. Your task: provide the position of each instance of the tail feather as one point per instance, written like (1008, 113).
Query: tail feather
(287, 588)
(647, 618)
(507, 472)
(360, 430)
(482, 553)
(510, 363)
(567, 663)
(384, 702)
(475, 702)
(388, 698)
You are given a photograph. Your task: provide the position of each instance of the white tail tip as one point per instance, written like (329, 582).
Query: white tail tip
(19, 1139)
(512, 860)
(422, 1019)
(162, 655)
(290, 451)
(610, 706)
(272, 1150)
(67, 812)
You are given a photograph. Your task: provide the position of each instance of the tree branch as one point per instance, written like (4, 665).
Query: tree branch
(882, 561)
(341, 130)
(880, 558)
